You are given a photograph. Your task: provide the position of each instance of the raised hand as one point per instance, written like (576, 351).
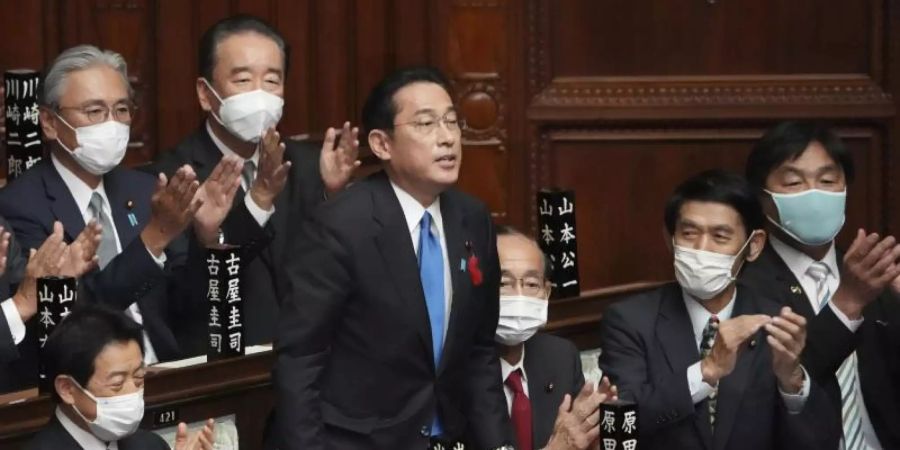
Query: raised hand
(577, 425)
(173, 206)
(338, 161)
(730, 339)
(271, 175)
(4, 248)
(215, 196)
(201, 440)
(787, 337)
(80, 257)
(869, 266)
(45, 261)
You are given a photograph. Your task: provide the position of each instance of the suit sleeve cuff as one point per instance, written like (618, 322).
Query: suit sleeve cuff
(851, 325)
(14, 320)
(794, 402)
(699, 388)
(260, 215)
(160, 261)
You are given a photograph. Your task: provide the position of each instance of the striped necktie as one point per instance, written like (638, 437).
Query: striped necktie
(706, 343)
(818, 271)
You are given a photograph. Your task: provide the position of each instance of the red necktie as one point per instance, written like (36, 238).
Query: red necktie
(521, 411)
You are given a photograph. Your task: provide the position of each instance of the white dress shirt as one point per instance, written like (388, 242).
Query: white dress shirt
(13, 320)
(506, 369)
(84, 438)
(82, 193)
(262, 216)
(413, 212)
(799, 262)
(699, 388)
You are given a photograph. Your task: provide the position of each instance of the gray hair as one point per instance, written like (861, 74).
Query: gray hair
(79, 58)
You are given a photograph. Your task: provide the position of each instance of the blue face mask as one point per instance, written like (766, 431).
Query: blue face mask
(812, 217)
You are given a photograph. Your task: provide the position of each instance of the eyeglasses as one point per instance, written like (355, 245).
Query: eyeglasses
(98, 113)
(530, 286)
(428, 125)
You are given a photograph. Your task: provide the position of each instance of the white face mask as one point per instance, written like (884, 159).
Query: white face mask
(249, 114)
(520, 317)
(101, 146)
(117, 417)
(704, 274)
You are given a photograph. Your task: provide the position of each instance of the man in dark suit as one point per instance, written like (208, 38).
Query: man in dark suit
(243, 64)
(95, 359)
(851, 300)
(709, 364)
(18, 335)
(87, 110)
(386, 338)
(549, 404)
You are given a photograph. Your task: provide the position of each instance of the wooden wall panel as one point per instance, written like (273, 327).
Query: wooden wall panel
(623, 179)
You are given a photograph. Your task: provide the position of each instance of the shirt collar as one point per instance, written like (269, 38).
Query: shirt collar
(799, 262)
(85, 439)
(413, 210)
(507, 368)
(78, 188)
(224, 148)
(700, 315)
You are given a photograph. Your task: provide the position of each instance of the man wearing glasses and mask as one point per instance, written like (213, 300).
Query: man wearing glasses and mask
(549, 404)
(86, 113)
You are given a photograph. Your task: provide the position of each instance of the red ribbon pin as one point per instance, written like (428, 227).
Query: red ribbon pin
(474, 270)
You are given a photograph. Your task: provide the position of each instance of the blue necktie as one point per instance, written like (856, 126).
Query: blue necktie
(431, 272)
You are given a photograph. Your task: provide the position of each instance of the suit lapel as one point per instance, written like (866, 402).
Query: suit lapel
(791, 289)
(456, 237)
(732, 387)
(398, 255)
(543, 407)
(64, 207)
(676, 337)
(123, 202)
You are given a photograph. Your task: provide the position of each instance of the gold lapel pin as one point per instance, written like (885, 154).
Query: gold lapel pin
(796, 290)
(129, 204)
(550, 387)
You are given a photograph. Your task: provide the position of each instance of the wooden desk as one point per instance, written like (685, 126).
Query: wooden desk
(240, 386)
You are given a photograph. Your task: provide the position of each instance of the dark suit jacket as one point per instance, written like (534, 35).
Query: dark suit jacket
(54, 437)
(13, 358)
(266, 247)
(648, 344)
(39, 197)
(829, 342)
(553, 365)
(355, 368)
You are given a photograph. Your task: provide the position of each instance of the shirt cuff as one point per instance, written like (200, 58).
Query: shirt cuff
(161, 261)
(851, 325)
(795, 402)
(699, 388)
(14, 320)
(262, 216)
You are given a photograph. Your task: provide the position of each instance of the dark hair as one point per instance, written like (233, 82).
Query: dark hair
(509, 230)
(786, 142)
(75, 343)
(379, 111)
(717, 186)
(230, 26)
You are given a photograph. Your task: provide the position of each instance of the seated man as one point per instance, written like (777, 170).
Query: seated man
(86, 114)
(549, 404)
(709, 364)
(95, 359)
(802, 172)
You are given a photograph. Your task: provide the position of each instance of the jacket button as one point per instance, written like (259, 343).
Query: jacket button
(425, 431)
